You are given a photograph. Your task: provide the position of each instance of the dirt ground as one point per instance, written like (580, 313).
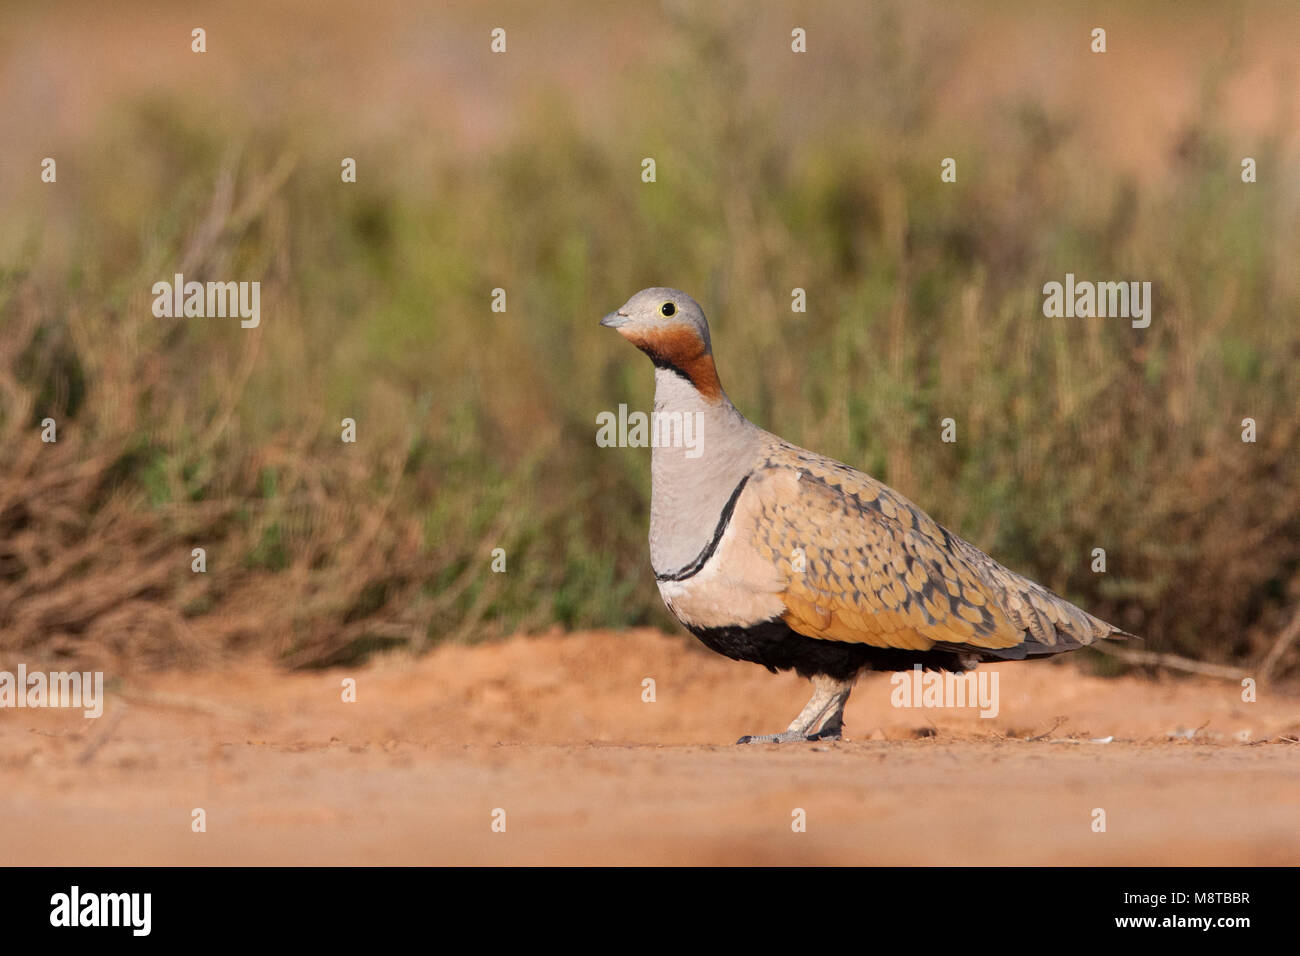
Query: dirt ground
(553, 730)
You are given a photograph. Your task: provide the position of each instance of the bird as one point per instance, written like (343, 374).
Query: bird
(773, 554)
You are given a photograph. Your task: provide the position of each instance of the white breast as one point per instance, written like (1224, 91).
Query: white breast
(732, 589)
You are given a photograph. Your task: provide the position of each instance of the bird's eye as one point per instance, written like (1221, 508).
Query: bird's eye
(667, 308)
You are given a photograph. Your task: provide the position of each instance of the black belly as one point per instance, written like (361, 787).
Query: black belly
(778, 648)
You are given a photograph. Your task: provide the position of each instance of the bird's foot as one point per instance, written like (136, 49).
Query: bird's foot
(821, 719)
(789, 737)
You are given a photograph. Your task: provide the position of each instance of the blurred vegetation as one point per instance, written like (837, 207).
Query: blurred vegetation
(476, 429)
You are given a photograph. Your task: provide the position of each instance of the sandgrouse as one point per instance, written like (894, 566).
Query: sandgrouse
(773, 554)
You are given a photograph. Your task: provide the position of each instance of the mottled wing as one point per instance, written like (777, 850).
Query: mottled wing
(1047, 622)
(864, 565)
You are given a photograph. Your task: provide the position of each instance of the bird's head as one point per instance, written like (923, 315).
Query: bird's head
(669, 326)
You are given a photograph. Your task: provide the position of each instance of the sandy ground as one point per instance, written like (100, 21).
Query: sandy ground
(553, 731)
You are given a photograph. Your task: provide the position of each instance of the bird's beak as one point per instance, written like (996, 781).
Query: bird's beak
(614, 320)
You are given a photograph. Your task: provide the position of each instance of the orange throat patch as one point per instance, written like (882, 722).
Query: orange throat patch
(682, 349)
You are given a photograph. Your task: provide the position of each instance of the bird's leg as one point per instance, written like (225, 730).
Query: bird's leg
(821, 719)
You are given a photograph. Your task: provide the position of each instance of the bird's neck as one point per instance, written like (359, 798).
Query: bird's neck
(703, 448)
